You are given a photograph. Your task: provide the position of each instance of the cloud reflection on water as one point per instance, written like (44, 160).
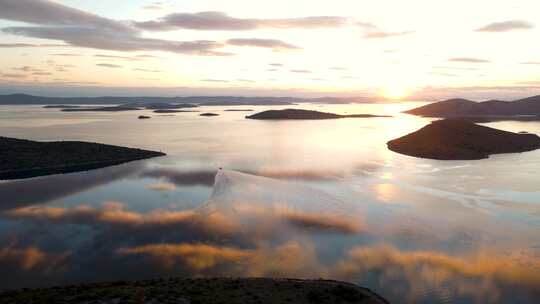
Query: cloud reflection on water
(255, 226)
(41, 190)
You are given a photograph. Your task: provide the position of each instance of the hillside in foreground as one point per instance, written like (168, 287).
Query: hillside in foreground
(183, 291)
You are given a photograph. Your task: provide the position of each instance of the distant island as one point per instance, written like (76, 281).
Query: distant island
(24, 158)
(144, 101)
(522, 109)
(455, 139)
(298, 114)
(161, 105)
(201, 290)
(208, 114)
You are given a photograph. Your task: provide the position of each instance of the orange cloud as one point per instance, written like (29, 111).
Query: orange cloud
(196, 256)
(425, 270)
(115, 214)
(161, 187)
(31, 258)
(289, 259)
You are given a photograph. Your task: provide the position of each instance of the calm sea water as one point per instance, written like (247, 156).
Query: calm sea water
(304, 199)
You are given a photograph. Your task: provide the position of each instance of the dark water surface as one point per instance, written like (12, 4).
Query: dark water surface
(302, 199)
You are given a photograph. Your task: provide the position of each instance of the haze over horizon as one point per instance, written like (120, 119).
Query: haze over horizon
(390, 49)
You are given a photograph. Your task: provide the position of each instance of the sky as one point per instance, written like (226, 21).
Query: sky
(393, 49)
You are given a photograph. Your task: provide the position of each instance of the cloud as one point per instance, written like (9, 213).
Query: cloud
(506, 26)
(270, 219)
(531, 83)
(443, 74)
(27, 69)
(382, 35)
(288, 259)
(66, 55)
(301, 71)
(421, 270)
(161, 187)
(262, 43)
(219, 21)
(19, 193)
(214, 80)
(468, 60)
(196, 256)
(245, 80)
(107, 39)
(323, 222)
(78, 28)
(455, 68)
(147, 70)
(155, 6)
(114, 215)
(532, 62)
(183, 178)
(276, 64)
(29, 45)
(206, 177)
(372, 31)
(367, 26)
(30, 258)
(128, 58)
(14, 76)
(146, 56)
(108, 65)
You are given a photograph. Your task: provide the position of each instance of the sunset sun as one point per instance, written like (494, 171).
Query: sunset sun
(396, 92)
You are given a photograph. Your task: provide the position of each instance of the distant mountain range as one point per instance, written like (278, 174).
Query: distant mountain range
(24, 99)
(466, 108)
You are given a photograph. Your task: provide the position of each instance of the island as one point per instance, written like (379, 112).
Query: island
(201, 290)
(144, 117)
(162, 106)
(491, 110)
(456, 139)
(208, 114)
(24, 158)
(298, 114)
(174, 111)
